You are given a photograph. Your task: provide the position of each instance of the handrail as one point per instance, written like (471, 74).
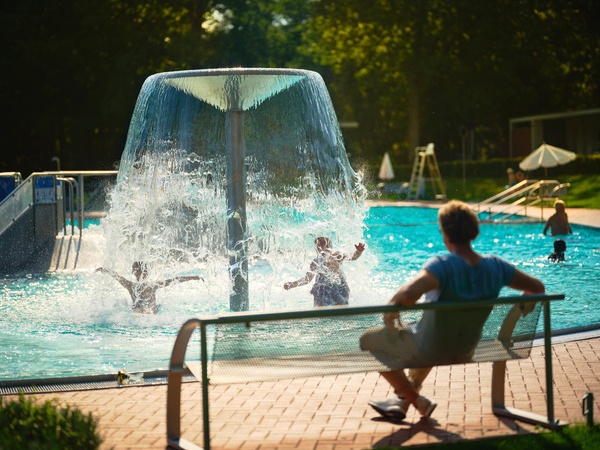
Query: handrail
(7, 217)
(16, 175)
(528, 193)
(502, 194)
(80, 174)
(70, 181)
(59, 174)
(178, 368)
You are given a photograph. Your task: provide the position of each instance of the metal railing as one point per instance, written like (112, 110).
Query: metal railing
(71, 197)
(516, 199)
(16, 204)
(178, 368)
(23, 197)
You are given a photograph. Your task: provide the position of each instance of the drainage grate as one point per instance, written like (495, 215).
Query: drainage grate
(48, 385)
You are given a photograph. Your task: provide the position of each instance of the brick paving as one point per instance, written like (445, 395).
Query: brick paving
(332, 412)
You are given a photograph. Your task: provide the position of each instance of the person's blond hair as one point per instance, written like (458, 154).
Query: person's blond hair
(458, 222)
(559, 205)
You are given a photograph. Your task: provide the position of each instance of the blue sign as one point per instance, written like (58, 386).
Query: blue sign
(44, 190)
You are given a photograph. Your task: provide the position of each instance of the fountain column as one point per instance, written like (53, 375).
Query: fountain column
(236, 210)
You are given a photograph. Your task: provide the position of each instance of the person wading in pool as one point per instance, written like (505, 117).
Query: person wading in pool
(142, 291)
(558, 223)
(330, 287)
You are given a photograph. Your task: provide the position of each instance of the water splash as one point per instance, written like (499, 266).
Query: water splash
(172, 204)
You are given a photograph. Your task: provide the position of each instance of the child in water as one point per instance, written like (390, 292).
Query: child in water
(142, 291)
(559, 251)
(330, 286)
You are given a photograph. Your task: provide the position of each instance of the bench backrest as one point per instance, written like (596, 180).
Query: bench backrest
(245, 347)
(451, 336)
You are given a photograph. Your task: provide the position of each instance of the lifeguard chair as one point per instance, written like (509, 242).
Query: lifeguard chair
(416, 190)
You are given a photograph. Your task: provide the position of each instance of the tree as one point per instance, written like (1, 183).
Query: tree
(415, 72)
(69, 82)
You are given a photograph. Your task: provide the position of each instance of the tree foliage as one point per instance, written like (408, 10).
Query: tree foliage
(409, 72)
(419, 71)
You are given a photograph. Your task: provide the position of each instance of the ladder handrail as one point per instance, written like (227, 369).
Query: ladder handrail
(532, 192)
(507, 192)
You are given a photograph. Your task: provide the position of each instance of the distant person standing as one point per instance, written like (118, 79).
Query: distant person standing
(520, 176)
(510, 173)
(559, 221)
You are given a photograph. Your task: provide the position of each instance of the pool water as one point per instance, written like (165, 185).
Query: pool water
(80, 323)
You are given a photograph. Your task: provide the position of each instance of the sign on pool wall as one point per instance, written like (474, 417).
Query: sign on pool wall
(44, 190)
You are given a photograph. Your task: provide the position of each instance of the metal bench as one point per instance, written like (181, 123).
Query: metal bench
(246, 347)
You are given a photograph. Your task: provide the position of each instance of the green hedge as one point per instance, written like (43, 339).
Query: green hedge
(26, 425)
(496, 168)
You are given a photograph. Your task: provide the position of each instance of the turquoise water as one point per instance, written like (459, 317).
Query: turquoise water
(66, 324)
(410, 236)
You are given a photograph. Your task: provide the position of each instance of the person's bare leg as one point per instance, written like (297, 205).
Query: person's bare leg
(417, 376)
(402, 386)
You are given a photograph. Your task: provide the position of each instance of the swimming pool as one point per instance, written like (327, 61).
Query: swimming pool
(80, 323)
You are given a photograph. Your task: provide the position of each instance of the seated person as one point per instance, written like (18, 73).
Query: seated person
(330, 287)
(559, 251)
(559, 221)
(143, 291)
(461, 276)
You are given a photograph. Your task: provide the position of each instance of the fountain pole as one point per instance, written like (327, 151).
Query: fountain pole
(236, 210)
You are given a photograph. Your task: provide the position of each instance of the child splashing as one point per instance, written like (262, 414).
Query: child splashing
(330, 286)
(143, 291)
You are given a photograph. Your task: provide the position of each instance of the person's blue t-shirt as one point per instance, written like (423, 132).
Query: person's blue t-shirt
(453, 334)
(461, 282)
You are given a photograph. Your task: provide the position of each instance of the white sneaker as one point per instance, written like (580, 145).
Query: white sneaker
(394, 408)
(425, 406)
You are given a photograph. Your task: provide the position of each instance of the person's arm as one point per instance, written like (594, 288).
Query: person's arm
(526, 283)
(529, 285)
(180, 280)
(299, 282)
(409, 293)
(360, 247)
(547, 225)
(123, 281)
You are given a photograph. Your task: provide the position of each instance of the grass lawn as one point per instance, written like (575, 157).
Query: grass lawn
(577, 436)
(583, 193)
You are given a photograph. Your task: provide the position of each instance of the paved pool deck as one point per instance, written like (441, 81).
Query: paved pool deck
(332, 412)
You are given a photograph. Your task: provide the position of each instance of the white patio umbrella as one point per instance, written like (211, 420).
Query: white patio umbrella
(386, 171)
(546, 156)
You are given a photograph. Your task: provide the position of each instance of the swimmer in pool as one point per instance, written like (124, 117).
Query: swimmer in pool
(559, 221)
(559, 251)
(142, 291)
(330, 286)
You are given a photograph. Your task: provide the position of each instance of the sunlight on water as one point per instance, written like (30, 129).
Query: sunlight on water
(81, 323)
